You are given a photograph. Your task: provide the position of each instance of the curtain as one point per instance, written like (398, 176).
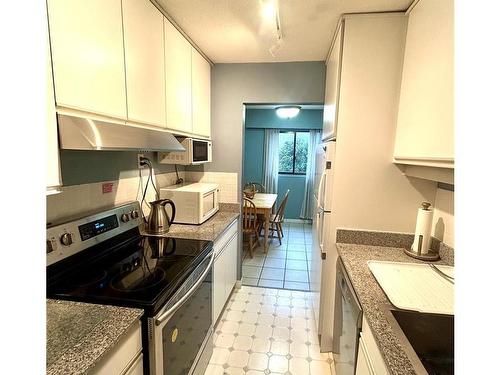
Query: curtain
(307, 210)
(271, 160)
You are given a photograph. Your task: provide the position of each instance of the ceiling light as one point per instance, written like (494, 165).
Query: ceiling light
(288, 111)
(268, 9)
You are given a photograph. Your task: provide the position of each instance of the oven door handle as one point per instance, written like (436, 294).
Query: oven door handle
(167, 314)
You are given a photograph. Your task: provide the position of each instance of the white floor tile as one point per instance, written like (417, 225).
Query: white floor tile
(281, 333)
(282, 321)
(298, 366)
(229, 327)
(266, 319)
(278, 363)
(238, 358)
(263, 331)
(234, 371)
(258, 361)
(214, 370)
(249, 317)
(246, 329)
(319, 368)
(224, 340)
(234, 316)
(243, 343)
(219, 356)
(249, 281)
(280, 347)
(250, 271)
(299, 349)
(260, 345)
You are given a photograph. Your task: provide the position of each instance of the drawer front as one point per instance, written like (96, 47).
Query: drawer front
(225, 237)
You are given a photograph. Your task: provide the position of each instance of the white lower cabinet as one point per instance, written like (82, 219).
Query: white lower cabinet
(370, 360)
(226, 249)
(125, 358)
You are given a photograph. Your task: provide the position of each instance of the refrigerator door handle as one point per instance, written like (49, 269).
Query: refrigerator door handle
(320, 191)
(321, 222)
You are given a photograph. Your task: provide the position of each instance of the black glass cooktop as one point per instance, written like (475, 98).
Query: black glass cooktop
(142, 273)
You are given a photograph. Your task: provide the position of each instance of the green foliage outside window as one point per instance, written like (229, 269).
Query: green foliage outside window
(293, 148)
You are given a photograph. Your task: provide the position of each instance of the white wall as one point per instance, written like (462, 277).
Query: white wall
(443, 221)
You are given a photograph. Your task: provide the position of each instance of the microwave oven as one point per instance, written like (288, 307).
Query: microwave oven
(197, 151)
(195, 203)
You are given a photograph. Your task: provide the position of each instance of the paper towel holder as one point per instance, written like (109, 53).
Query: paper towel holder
(416, 248)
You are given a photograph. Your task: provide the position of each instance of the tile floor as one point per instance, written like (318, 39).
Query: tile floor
(284, 266)
(268, 331)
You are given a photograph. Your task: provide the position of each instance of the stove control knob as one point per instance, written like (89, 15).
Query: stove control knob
(66, 239)
(125, 218)
(134, 214)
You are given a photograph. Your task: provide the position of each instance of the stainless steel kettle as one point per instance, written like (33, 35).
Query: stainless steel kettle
(158, 221)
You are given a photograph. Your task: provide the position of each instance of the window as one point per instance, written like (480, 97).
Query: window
(293, 152)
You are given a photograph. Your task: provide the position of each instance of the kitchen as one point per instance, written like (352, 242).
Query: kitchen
(145, 218)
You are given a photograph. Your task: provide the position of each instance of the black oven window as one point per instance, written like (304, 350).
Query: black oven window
(200, 151)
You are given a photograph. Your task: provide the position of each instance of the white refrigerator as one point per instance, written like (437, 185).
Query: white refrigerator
(323, 254)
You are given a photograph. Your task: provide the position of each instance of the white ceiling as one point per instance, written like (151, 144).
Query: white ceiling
(234, 31)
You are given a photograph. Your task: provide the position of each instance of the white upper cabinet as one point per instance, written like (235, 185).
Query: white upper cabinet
(178, 78)
(425, 118)
(200, 94)
(87, 54)
(144, 62)
(332, 87)
(53, 170)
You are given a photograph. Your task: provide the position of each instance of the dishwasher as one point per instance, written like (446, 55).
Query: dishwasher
(347, 324)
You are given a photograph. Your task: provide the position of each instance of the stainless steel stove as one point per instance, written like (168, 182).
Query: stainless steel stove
(103, 258)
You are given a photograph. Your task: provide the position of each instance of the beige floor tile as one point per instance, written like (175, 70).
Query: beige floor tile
(268, 309)
(298, 349)
(258, 361)
(300, 323)
(234, 316)
(234, 371)
(282, 321)
(224, 340)
(253, 307)
(298, 366)
(214, 370)
(261, 345)
(267, 319)
(249, 317)
(278, 363)
(238, 358)
(283, 311)
(299, 335)
(280, 347)
(315, 354)
(246, 329)
(263, 331)
(237, 305)
(219, 356)
(255, 372)
(243, 343)
(319, 368)
(281, 333)
(229, 327)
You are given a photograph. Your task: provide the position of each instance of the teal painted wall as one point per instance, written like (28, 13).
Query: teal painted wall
(84, 167)
(256, 120)
(267, 118)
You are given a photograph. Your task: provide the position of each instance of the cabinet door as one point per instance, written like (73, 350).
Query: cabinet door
(144, 62)
(201, 94)
(231, 252)
(87, 53)
(332, 87)
(363, 366)
(53, 170)
(425, 117)
(178, 79)
(219, 286)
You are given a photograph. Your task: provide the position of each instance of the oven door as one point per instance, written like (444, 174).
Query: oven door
(201, 151)
(180, 335)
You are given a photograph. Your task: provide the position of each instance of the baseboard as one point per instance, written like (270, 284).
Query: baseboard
(238, 284)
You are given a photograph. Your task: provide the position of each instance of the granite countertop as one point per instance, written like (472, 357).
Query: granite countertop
(374, 302)
(210, 230)
(79, 334)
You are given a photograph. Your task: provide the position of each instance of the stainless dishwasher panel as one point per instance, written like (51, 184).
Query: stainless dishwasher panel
(347, 325)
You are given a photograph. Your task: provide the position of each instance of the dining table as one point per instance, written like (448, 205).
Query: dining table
(264, 204)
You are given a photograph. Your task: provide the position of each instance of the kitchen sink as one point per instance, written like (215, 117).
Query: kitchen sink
(432, 338)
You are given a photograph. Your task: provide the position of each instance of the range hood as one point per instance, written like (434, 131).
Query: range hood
(79, 133)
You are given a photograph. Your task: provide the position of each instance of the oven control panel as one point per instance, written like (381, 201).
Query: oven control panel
(71, 237)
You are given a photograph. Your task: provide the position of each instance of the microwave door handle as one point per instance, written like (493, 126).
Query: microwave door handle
(167, 314)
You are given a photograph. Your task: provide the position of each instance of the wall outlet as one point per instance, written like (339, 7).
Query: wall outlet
(139, 156)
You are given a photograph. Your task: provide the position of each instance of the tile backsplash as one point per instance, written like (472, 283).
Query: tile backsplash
(79, 199)
(228, 183)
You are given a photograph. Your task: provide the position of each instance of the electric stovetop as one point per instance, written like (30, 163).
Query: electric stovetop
(140, 271)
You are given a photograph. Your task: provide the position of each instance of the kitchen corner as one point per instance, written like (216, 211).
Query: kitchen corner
(355, 249)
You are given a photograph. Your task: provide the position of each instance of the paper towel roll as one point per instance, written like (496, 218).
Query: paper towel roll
(421, 242)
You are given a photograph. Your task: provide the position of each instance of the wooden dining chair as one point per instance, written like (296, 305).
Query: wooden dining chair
(259, 188)
(250, 224)
(276, 220)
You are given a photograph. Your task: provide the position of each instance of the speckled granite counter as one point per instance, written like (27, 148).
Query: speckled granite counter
(210, 230)
(374, 301)
(79, 334)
